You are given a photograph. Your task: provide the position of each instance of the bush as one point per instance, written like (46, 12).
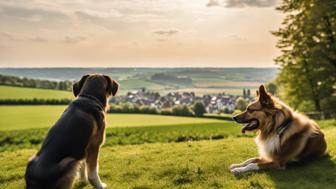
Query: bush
(199, 109)
(34, 101)
(241, 104)
(182, 110)
(166, 112)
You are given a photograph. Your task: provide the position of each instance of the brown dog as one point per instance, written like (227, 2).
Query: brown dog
(284, 135)
(75, 139)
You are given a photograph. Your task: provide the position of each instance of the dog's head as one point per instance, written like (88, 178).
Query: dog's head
(261, 113)
(97, 85)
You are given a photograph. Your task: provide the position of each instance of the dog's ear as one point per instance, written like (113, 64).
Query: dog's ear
(265, 98)
(77, 86)
(115, 87)
(112, 86)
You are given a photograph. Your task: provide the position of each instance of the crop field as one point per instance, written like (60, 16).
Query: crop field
(7, 92)
(203, 91)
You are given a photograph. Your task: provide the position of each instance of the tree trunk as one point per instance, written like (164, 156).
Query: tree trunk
(331, 39)
(314, 93)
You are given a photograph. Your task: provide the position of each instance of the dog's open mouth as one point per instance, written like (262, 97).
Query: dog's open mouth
(250, 126)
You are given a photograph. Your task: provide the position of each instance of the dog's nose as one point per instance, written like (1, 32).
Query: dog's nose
(234, 118)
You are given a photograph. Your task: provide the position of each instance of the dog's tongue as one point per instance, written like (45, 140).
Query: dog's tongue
(250, 126)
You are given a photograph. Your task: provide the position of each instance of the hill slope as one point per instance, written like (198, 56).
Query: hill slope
(188, 165)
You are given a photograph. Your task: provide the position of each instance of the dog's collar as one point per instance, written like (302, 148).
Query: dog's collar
(284, 126)
(100, 105)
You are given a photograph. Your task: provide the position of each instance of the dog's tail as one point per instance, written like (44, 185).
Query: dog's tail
(40, 175)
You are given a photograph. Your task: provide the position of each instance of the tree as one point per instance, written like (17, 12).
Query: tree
(272, 88)
(182, 110)
(307, 40)
(248, 92)
(241, 104)
(199, 109)
(244, 92)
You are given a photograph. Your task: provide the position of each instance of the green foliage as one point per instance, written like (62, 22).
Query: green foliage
(272, 88)
(35, 101)
(308, 43)
(35, 83)
(182, 110)
(241, 104)
(199, 109)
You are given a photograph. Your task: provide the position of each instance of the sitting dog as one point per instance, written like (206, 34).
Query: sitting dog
(73, 142)
(284, 135)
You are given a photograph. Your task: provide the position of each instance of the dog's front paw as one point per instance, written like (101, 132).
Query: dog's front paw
(103, 186)
(232, 166)
(247, 168)
(238, 170)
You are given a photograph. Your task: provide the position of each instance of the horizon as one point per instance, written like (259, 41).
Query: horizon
(273, 67)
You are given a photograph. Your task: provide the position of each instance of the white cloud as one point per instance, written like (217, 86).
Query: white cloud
(241, 3)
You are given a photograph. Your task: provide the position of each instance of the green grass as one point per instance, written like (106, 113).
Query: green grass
(150, 151)
(31, 138)
(188, 165)
(25, 117)
(7, 92)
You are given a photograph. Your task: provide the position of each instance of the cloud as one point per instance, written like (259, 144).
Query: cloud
(241, 3)
(38, 39)
(73, 40)
(168, 32)
(8, 36)
(213, 3)
(34, 14)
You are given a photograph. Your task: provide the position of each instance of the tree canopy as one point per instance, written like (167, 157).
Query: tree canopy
(307, 40)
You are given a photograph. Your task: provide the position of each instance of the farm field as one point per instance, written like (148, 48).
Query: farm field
(7, 92)
(188, 165)
(42, 116)
(204, 91)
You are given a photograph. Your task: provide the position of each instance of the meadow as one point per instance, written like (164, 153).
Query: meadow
(189, 164)
(8, 92)
(151, 151)
(43, 116)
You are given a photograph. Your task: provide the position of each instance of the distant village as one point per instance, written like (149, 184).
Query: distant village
(214, 103)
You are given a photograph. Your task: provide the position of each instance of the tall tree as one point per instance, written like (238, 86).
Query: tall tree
(307, 40)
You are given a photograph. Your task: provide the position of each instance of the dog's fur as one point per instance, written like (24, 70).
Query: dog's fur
(73, 142)
(283, 135)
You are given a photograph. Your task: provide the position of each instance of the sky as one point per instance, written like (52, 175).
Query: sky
(138, 33)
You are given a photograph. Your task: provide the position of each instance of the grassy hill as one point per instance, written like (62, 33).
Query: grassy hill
(7, 92)
(189, 165)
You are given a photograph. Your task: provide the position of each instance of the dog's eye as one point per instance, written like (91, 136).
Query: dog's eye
(250, 110)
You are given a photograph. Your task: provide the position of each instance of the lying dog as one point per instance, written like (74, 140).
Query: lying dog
(74, 141)
(284, 135)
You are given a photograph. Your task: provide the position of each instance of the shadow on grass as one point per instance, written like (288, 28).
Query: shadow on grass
(319, 173)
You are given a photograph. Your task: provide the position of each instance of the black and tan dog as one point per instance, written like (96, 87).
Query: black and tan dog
(284, 135)
(74, 141)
